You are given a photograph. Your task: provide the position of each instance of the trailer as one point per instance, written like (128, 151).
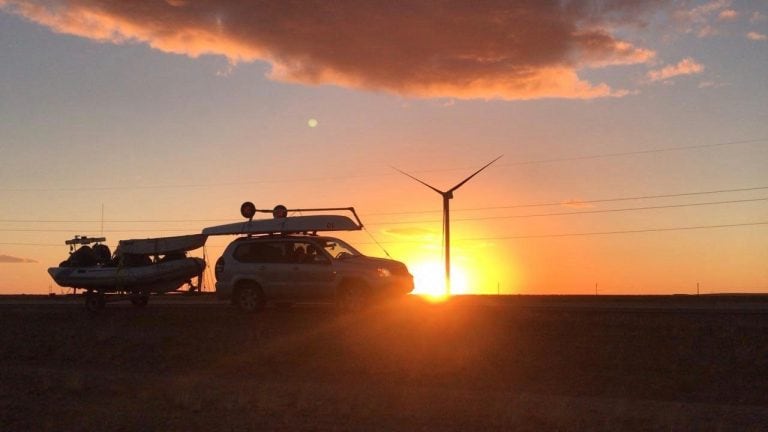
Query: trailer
(137, 269)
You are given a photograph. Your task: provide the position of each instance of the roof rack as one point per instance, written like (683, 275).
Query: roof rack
(281, 223)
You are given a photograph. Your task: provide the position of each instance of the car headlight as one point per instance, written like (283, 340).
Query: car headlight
(382, 272)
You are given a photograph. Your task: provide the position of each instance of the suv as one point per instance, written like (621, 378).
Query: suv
(305, 268)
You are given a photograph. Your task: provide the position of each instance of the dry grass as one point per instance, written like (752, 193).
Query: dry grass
(405, 366)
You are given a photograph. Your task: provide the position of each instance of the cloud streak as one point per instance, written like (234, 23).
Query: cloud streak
(686, 66)
(701, 19)
(576, 204)
(7, 259)
(491, 49)
(757, 17)
(727, 15)
(411, 233)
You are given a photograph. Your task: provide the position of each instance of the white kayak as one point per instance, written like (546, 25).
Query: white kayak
(286, 225)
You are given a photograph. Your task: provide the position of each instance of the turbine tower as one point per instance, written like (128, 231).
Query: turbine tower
(447, 196)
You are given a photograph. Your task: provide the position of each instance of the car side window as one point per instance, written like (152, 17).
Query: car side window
(307, 253)
(260, 252)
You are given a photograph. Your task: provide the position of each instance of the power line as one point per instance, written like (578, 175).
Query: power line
(31, 244)
(189, 185)
(577, 212)
(518, 237)
(113, 220)
(428, 221)
(648, 230)
(560, 203)
(548, 204)
(617, 154)
(637, 152)
(355, 176)
(595, 233)
(63, 230)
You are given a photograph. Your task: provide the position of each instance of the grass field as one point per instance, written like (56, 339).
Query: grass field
(495, 364)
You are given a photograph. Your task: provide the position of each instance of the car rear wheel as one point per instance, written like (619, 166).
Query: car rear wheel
(250, 299)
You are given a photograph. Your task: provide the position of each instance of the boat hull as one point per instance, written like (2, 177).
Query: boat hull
(159, 277)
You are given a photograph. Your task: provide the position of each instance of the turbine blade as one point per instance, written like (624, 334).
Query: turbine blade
(431, 187)
(475, 173)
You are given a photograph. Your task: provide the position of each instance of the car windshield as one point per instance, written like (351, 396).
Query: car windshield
(339, 249)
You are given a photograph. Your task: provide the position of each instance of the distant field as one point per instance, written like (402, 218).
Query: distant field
(475, 363)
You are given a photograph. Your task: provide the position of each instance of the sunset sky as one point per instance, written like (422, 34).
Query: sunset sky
(649, 117)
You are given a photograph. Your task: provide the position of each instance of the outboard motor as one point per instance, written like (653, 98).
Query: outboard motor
(102, 254)
(83, 257)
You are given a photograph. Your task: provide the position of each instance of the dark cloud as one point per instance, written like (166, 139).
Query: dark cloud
(7, 259)
(423, 48)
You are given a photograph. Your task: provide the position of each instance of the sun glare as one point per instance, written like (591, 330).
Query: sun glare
(429, 279)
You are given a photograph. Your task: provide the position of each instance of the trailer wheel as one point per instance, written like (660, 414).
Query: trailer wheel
(94, 302)
(140, 300)
(250, 298)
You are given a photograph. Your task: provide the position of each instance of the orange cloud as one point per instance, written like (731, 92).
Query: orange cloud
(755, 36)
(701, 18)
(116, 24)
(727, 15)
(494, 49)
(708, 31)
(702, 12)
(686, 66)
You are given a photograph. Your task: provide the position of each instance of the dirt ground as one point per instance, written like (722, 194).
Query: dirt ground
(522, 364)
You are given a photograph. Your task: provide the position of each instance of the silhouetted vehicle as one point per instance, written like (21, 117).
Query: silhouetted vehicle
(137, 269)
(283, 260)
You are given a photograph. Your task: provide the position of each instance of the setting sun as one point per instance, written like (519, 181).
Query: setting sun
(429, 278)
(625, 190)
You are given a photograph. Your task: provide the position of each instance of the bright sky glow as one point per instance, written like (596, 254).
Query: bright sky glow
(172, 122)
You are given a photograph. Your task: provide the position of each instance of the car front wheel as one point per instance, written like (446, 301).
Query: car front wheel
(351, 297)
(250, 299)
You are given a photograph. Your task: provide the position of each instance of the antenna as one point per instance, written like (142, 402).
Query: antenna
(447, 196)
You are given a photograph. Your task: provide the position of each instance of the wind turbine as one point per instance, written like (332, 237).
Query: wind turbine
(447, 196)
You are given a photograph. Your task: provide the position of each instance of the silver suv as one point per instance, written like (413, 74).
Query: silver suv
(305, 268)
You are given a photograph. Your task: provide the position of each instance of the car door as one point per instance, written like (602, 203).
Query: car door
(268, 263)
(314, 274)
